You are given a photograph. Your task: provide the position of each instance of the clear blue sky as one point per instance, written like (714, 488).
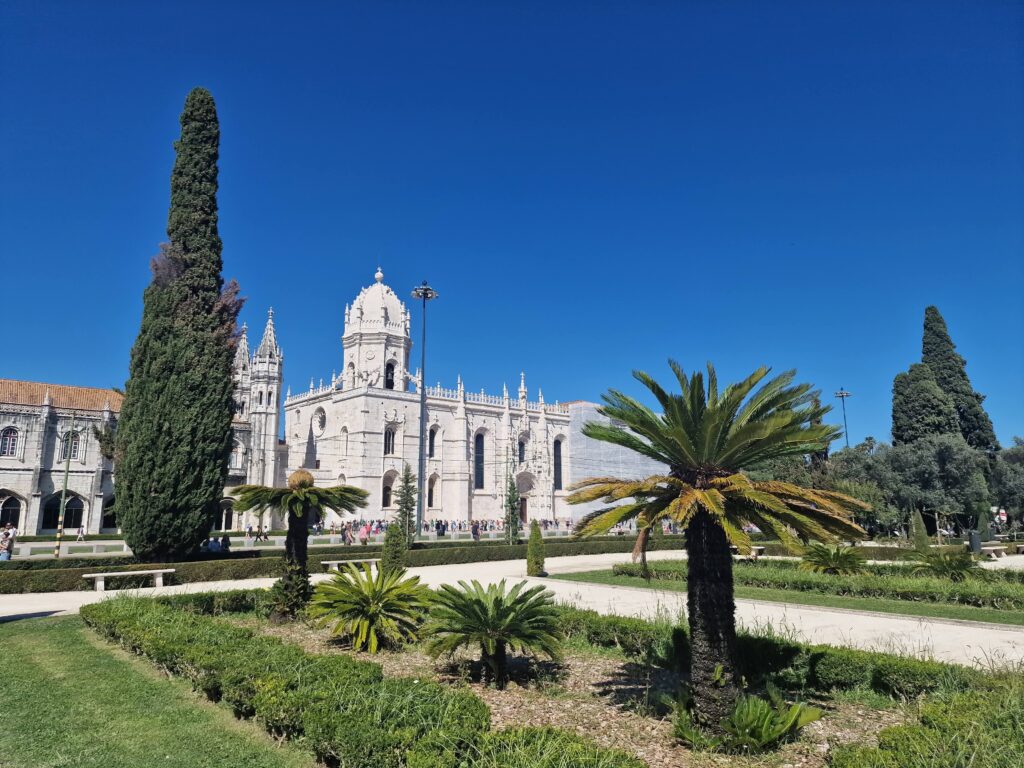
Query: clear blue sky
(591, 187)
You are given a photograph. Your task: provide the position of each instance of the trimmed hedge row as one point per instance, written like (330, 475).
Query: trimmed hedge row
(762, 658)
(68, 579)
(984, 593)
(344, 710)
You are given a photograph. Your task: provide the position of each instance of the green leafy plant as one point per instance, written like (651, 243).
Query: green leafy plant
(392, 556)
(832, 558)
(300, 501)
(373, 610)
(955, 566)
(522, 619)
(754, 725)
(535, 551)
(511, 523)
(706, 438)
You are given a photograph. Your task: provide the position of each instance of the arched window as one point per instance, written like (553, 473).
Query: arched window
(261, 397)
(478, 461)
(69, 445)
(432, 442)
(522, 451)
(73, 510)
(10, 511)
(385, 496)
(225, 515)
(389, 442)
(389, 376)
(9, 442)
(557, 457)
(430, 492)
(235, 460)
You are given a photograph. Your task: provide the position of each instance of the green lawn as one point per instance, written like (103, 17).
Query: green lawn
(72, 701)
(905, 607)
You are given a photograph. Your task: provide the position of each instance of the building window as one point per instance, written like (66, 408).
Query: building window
(10, 511)
(69, 446)
(225, 516)
(9, 442)
(261, 397)
(522, 451)
(385, 497)
(73, 509)
(558, 465)
(389, 442)
(478, 461)
(389, 376)
(431, 442)
(430, 492)
(235, 460)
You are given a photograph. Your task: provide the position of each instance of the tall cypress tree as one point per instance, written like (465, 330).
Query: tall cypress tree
(919, 407)
(939, 353)
(174, 434)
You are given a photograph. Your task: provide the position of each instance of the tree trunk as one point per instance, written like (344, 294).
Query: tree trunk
(640, 550)
(500, 665)
(296, 540)
(712, 616)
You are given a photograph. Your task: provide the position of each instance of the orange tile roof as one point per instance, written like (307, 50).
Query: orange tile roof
(61, 395)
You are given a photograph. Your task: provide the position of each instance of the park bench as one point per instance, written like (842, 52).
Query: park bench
(100, 579)
(335, 565)
(755, 552)
(994, 553)
(1020, 549)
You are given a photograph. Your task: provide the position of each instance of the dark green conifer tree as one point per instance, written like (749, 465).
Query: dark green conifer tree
(939, 353)
(405, 500)
(174, 434)
(535, 551)
(919, 407)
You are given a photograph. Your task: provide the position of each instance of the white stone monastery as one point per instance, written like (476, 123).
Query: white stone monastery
(360, 429)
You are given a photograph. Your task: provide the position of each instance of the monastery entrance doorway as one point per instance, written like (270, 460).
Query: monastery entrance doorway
(524, 485)
(522, 511)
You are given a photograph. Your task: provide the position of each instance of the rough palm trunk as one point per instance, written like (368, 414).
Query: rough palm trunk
(296, 541)
(640, 550)
(500, 662)
(712, 616)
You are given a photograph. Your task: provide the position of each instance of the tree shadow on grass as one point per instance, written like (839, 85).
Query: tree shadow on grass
(524, 671)
(640, 688)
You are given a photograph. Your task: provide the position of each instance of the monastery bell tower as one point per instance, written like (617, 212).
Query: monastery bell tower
(376, 341)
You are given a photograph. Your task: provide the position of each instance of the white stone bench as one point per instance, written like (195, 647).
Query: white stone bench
(994, 553)
(335, 565)
(755, 552)
(1019, 548)
(100, 579)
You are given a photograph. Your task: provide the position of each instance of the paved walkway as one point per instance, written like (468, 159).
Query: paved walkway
(949, 640)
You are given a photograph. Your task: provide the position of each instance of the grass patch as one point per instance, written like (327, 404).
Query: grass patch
(69, 701)
(875, 604)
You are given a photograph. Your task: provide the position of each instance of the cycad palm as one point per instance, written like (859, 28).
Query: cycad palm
(301, 500)
(373, 610)
(521, 620)
(705, 438)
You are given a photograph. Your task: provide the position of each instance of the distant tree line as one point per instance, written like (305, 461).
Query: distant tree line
(944, 462)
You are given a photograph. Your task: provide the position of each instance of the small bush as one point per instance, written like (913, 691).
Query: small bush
(544, 748)
(840, 668)
(834, 559)
(535, 551)
(754, 726)
(905, 677)
(395, 547)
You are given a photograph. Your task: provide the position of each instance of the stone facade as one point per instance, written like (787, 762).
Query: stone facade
(359, 429)
(363, 427)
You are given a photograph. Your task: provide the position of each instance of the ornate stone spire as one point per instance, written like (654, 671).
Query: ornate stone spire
(242, 349)
(268, 346)
(522, 386)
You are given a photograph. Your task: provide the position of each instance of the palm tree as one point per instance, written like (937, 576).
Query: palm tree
(523, 619)
(706, 438)
(373, 610)
(301, 500)
(832, 559)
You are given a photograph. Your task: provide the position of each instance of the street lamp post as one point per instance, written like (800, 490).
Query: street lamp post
(424, 293)
(842, 394)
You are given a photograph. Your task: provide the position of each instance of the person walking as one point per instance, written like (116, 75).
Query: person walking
(81, 534)
(5, 546)
(475, 530)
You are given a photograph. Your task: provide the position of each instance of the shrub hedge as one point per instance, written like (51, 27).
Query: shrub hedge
(343, 709)
(1007, 594)
(52, 579)
(768, 658)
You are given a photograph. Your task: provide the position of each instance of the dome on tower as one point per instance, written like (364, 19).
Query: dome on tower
(377, 308)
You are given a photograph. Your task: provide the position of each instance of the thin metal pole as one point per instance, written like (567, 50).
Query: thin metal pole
(842, 394)
(64, 490)
(423, 421)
